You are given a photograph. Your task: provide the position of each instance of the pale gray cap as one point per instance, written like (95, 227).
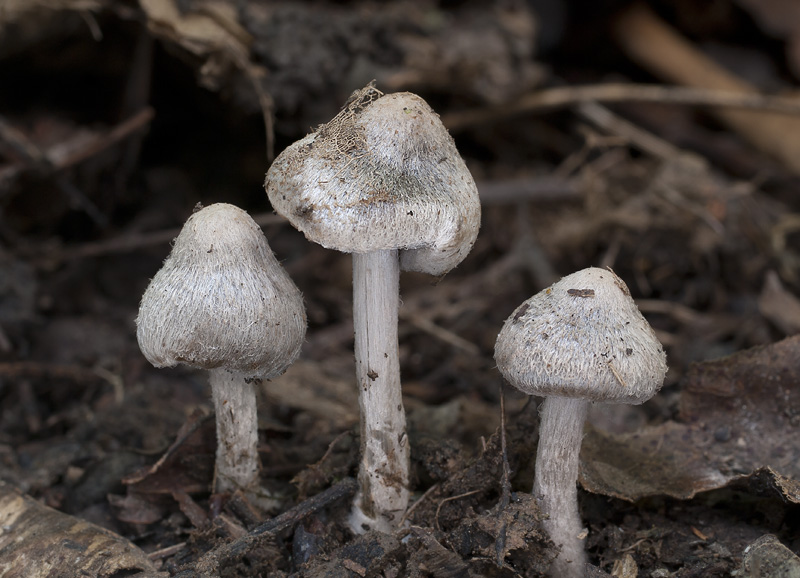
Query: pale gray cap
(582, 337)
(222, 300)
(383, 174)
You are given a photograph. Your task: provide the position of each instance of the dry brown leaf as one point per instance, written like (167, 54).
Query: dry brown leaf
(625, 567)
(739, 422)
(200, 33)
(212, 33)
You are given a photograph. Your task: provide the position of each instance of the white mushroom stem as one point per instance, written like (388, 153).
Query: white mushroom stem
(382, 498)
(555, 480)
(237, 465)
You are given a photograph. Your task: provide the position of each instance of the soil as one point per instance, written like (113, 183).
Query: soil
(118, 117)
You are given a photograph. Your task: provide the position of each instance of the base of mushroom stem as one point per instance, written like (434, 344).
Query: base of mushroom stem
(265, 500)
(360, 523)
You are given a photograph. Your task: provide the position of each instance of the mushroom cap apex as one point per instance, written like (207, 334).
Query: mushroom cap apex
(582, 337)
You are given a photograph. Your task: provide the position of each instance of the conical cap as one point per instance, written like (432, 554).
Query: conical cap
(582, 337)
(222, 300)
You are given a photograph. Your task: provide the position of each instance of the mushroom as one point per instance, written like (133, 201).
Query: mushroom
(382, 180)
(580, 340)
(223, 303)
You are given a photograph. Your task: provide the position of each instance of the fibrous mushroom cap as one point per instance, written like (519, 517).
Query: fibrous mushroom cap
(383, 174)
(222, 300)
(582, 337)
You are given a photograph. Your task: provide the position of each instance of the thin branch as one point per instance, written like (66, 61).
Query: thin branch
(413, 506)
(565, 96)
(210, 563)
(451, 499)
(130, 242)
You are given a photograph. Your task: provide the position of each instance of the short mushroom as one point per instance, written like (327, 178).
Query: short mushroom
(580, 340)
(222, 302)
(382, 180)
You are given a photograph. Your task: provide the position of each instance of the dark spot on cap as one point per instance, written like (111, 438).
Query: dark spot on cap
(628, 351)
(305, 212)
(581, 292)
(520, 312)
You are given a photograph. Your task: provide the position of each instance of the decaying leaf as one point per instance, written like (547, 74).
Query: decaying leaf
(739, 421)
(38, 541)
(200, 32)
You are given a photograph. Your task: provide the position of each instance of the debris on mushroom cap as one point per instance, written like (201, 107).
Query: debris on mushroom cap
(383, 174)
(582, 337)
(222, 300)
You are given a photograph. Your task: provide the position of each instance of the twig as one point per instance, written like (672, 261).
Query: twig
(116, 382)
(132, 242)
(185, 433)
(431, 328)
(265, 102)
(21, 144)
(450, 499)
(663, 51)
(679, 312)
(104, 141)
(5, 342)
(49, 164)
(505, 480)
(211, 561)
(331, 445)
(413, 506)
(617, 375)
(640, 138)
(166, 552)
(564, 96)
(36, 370)
(136, 96)
(532, 189)
(505, 484)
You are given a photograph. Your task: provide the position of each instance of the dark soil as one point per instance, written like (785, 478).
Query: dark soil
(108, 142)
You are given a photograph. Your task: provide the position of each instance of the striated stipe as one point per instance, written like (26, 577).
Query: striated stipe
(583, 337)
(222, 300)
(383, 174)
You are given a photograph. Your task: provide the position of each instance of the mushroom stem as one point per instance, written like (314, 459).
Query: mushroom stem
(237, 464)
(555, 480)
(383, 494)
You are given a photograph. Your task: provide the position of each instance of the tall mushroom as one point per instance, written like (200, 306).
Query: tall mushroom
(222, 302)
(580, 340)
(382, 180)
